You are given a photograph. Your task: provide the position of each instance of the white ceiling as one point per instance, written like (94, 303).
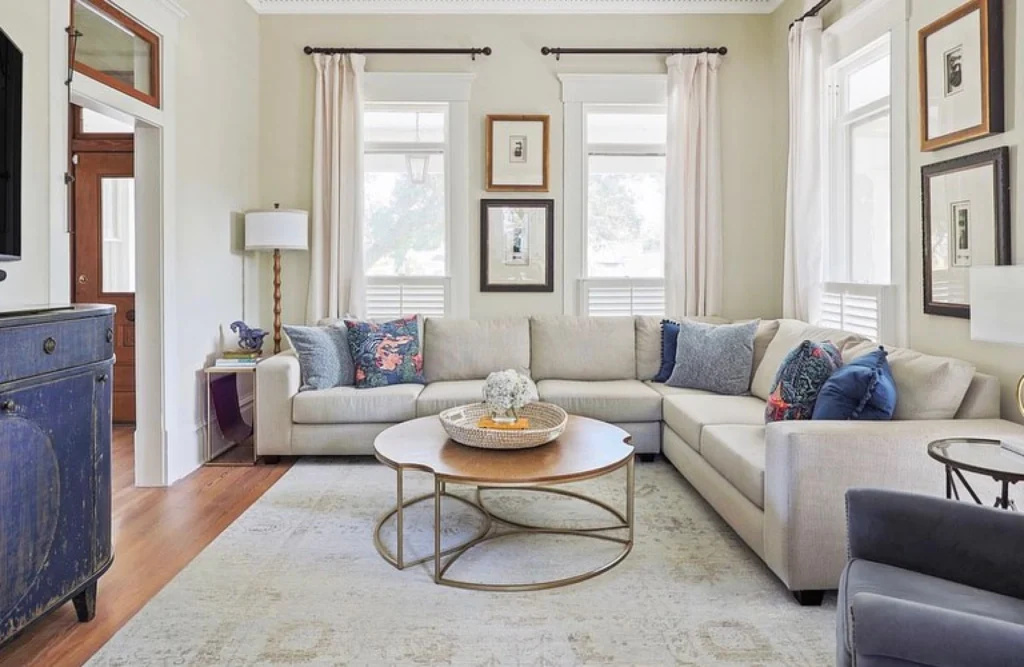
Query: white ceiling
(515, 6)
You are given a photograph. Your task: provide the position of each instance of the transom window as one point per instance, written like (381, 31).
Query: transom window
(116, 50)
(625, 210)
(406, 208)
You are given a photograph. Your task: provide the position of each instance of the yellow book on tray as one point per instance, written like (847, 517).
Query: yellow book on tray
(518, 425)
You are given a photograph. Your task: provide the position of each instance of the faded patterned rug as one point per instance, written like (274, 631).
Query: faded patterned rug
(296, 580)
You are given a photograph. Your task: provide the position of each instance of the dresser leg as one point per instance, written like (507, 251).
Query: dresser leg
(85, 603)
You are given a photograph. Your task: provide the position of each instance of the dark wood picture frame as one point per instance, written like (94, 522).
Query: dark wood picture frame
(490, 186)
(999, 159)
(140, 31)
(549, 251)
(992, 73)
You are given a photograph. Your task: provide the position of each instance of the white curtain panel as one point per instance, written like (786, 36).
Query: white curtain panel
(693, 207)
(337, 280)
(804, 209)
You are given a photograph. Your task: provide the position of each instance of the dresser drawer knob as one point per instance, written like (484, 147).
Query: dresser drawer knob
(110, 335)
(101, 378)
(7, 406)
(49, 345)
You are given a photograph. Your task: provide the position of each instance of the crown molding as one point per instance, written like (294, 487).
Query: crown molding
(515, 6)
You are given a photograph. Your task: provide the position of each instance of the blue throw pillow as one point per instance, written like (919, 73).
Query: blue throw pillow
(669, 334)
(324, 357)
(861, 390)
(714, 358)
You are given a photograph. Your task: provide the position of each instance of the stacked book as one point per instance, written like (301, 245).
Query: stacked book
(239, 359)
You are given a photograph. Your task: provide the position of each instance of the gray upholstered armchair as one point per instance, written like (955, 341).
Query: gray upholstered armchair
(930, 582)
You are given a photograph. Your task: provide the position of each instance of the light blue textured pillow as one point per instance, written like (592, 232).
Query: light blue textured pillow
(714, 358)
(324, 358)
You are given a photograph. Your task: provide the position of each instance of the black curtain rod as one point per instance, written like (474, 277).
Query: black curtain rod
(558, 51)
(485, 51)
(813, 11)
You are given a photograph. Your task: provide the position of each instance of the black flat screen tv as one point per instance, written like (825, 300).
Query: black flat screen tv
(10, 148)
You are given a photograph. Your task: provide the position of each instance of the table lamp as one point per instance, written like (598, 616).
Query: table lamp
(277, 230)
(997, 309)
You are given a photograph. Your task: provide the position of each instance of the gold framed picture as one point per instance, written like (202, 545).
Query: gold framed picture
(961, 75)
(518, 153)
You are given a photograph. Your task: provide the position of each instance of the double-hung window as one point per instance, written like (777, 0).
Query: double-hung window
(406, 245)
(624, 213)
(859, 293)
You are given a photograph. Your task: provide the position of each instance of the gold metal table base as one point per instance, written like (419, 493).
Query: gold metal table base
(488, 532)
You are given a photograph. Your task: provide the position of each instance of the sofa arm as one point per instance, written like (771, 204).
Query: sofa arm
(809, 466)
(966, 543)
(890, 631)
(277, 383)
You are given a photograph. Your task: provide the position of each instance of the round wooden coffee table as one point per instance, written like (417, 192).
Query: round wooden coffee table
(587, 449)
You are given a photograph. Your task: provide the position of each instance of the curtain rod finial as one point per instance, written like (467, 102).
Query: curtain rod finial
(487, 51)
(308, 50)
(723, 51)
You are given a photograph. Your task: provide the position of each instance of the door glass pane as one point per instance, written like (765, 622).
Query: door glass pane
(118, 254)
(94, 122)
(404, 200)
(625, 216)
(870, 210)
(111, 48)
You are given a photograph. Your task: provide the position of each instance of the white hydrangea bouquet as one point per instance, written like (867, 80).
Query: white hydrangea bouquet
(506, 393)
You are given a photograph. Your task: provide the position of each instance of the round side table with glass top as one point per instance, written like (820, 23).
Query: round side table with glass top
(981, 456)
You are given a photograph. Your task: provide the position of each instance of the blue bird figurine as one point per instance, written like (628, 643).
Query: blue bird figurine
(248, 339)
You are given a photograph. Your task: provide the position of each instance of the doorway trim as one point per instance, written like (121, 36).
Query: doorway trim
(157, 409)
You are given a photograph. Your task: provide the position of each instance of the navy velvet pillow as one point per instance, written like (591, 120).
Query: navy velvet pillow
(861, 390)
(669, 338)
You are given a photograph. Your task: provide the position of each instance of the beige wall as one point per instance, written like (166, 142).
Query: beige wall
(28, 24)
(930, 333)
(517, 79)
(217, 178)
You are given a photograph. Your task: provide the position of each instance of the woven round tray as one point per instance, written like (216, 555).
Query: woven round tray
(547, 422)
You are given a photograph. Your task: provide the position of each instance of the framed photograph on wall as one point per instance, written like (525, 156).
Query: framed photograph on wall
(966, 216)
(961, 75)
(517, 251)
(517, 153)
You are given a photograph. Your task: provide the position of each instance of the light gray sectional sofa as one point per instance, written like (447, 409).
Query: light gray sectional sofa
(780, 487)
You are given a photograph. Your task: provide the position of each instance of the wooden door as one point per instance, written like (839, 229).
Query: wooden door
(104, 257)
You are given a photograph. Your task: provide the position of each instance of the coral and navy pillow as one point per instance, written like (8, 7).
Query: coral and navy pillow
(799, 380)
(863, 389)
(669, 338)
(386, 354)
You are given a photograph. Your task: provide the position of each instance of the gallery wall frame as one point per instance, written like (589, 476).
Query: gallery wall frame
(517, 245)
(949, 212)
(518, 153)
(961, 75)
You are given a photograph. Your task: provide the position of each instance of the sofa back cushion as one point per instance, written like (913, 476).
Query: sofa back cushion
(790, 334)
(927, 387)
(582, 348)
(471, 349)
(982, 398)
(648, 343)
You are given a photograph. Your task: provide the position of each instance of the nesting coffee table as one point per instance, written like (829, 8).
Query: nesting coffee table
(587, 449)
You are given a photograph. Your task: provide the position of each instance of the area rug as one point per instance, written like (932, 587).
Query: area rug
(296, 580)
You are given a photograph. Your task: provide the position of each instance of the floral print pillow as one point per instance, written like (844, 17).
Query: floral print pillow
(386, 354)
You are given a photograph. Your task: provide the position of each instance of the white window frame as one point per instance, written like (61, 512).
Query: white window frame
(865, 25)
(452, 89)
(580, 91)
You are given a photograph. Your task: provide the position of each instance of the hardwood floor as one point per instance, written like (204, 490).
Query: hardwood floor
(157, 532)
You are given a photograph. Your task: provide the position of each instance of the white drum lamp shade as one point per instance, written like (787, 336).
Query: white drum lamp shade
(279, 229)
(997, 309)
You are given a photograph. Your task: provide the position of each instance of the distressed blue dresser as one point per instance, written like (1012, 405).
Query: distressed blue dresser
(55, 428)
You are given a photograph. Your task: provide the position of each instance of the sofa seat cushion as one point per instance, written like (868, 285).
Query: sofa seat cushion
(863, 576)
(688, 415)
(609, 400)
(737, 454)
(348, 405)
(666, 390)
(439, 396)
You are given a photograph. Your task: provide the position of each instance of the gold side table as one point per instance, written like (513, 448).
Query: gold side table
(236, 454)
